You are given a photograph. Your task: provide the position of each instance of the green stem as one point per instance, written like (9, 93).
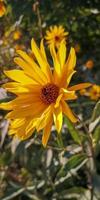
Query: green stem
(91, 169)
(60, 141)
(39, 19)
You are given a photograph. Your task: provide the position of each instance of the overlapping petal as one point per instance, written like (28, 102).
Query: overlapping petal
(41, 59)
(58, 118)
(67, 111)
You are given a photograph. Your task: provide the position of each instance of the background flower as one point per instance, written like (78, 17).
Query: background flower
(27, 170)
(94, 92)
(2, 9)
(89, 64)
(55, 34)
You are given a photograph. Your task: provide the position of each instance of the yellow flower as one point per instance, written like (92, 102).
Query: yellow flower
(2, 9)
(82, 92)
(94, 92)
(55, 35)
(89, 64)
(17, 35)
(41, 94)
(19, 47)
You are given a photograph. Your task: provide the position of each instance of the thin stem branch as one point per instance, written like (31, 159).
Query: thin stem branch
(91, 169)
(37, 10)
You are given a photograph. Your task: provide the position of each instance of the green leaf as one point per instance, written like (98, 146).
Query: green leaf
(73, 192)
(96, 135)
(96, 112)
(74, 133)
(72, 163)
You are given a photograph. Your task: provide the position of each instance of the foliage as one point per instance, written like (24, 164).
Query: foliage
(70, 166)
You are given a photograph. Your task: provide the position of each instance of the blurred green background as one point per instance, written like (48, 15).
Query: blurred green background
(27, 171)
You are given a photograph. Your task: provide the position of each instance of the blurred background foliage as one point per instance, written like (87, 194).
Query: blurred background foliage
(27, 171)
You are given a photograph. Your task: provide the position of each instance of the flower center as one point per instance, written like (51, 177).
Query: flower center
(57, 38)
(49, 93)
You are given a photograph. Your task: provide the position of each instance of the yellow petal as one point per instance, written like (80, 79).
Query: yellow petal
(68, 95)
(80, 86)
(32, 64)
(58, 100)
(36, 75)
(68, 69)
(44, 119)
(67, 111)
(31, 126)
(58, 118)
(65, 80)
(20, 131)
(62, 54)
(57, 67)
(6, 106)
(34, 110)
(19, 76)
(40, 59)
(45, 68)
(16, 88)
(71, 62)
(69, 76)
(46, 132)
(24, 101)
(17, 123)
(42, 49)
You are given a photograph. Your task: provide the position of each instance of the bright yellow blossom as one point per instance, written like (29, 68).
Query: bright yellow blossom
(17, 35)
(94, 92)
(41, 94)
(82, 92)
(2, 9)
(19, 47)
(55, 35)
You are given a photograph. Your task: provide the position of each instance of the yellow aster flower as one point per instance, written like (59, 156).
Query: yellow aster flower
(41, 94)
(2, 9)
(17, 35)
(83, 92)
(89, 64)
(94, 92)
(19, 47)
(55, 35)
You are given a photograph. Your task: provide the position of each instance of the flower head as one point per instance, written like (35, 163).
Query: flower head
(94, 92)
(2, 9)
(55, 35)
(89, 64)
(19, 47)
(83, 92)
(41, 94)
(17, 35)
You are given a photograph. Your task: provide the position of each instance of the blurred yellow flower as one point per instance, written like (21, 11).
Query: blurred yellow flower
(89, 64)
(82, 92)
(2, 9)
(55, 35)
(17, 35)
(94, 92)
(41, 93)
(5, 41)
(19, 47)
